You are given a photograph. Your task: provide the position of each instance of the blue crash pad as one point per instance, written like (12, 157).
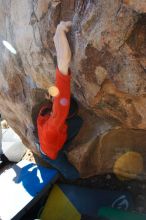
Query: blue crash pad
(21, 186)
(89, 200)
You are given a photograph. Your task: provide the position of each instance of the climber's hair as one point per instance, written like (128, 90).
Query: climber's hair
(36, 111)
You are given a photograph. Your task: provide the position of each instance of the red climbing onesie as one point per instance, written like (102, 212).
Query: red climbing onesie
(52, 128)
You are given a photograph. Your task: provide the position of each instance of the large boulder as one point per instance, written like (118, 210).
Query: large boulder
(108, 71)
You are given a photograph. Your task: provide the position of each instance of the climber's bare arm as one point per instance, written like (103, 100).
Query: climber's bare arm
(62, 47)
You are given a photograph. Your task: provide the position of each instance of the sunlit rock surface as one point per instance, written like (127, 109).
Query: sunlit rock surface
(108, 40)
(103, 144)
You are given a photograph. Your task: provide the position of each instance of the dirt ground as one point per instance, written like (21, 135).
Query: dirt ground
(29, 156)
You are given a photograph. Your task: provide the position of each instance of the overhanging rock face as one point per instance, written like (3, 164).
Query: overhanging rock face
(108, 66)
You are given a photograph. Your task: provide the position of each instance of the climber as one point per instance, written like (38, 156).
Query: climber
(58, 123)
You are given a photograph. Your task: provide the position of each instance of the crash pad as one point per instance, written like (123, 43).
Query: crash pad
(68, 201)
(58, 206)
(9, 135)
(21, 186)
(12, 146)
(89, 200)
(115, 214)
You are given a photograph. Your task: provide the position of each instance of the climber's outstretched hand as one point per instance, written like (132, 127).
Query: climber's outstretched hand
(62, 46)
